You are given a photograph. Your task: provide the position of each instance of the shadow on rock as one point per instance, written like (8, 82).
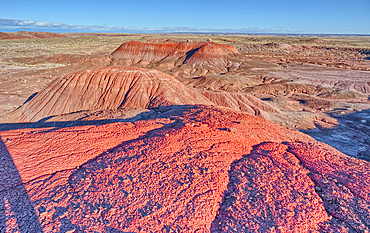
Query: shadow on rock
(284, 187)
(154, 113)
(16, 209)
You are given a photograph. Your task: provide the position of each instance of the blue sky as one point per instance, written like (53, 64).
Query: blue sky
(319, 17)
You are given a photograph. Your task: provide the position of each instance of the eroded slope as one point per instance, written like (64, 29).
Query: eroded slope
(115, 87)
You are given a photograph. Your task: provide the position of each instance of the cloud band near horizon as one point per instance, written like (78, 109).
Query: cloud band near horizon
(22, 25)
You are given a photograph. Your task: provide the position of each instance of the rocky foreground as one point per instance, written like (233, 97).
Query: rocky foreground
(179, 169)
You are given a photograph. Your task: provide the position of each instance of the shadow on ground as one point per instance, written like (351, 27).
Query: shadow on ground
(351, 136)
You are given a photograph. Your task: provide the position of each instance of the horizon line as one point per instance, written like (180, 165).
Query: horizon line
(12, 25)
(193, 33)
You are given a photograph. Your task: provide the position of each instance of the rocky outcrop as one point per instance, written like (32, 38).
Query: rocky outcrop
(182, 168)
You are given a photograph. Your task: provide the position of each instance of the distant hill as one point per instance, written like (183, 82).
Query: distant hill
(29, 35)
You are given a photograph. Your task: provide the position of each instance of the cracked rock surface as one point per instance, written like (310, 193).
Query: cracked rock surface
(190, 168)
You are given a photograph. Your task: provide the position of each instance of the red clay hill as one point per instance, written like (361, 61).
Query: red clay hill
(179, 59)
(114, 87)
(191, 168)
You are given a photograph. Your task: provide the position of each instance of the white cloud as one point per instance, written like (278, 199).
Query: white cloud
(14, 25)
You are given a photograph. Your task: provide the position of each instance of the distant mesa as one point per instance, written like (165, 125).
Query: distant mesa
(116, 87)
(179, 59)
(29, 35)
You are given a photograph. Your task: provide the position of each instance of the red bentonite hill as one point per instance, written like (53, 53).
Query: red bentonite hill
(179, 169)
(187, 58)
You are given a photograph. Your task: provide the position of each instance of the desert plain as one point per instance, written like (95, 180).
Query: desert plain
(184, 133)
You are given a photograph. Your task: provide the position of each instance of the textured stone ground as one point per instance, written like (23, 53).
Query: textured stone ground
(184, 168)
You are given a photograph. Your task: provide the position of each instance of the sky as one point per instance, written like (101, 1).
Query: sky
(239, 16)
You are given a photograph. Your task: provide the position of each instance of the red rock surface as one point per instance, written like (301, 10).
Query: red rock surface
(183, 169)
(298, 187)
(116, 87)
